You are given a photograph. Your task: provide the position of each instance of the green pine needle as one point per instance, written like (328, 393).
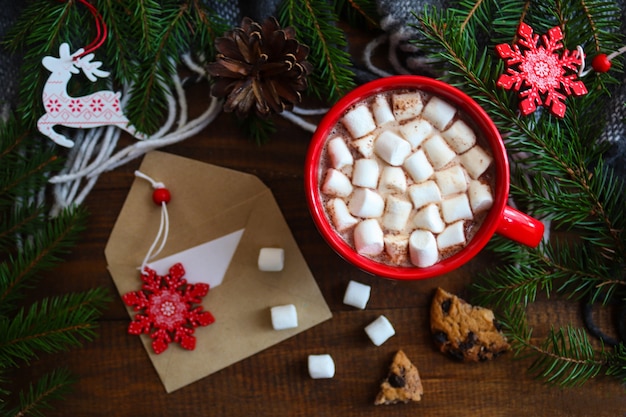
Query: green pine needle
(52, 325)
(316, 26)
(39, 397)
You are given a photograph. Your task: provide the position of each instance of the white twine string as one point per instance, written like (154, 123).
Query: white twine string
(164, 226)
(93, 152)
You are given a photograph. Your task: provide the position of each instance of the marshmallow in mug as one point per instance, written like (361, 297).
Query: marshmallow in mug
(405, 174)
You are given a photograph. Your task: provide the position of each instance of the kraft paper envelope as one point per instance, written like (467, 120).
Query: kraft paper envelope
(209, 202)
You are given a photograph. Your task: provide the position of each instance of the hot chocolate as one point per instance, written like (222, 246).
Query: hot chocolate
(405, 179)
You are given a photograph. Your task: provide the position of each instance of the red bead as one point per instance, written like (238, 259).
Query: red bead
(161, 195)
(601, 63)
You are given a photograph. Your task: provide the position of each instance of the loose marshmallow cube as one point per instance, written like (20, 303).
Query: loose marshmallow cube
(366, 203)
(340, 215)
(476, 161)
(418, 167)
(429, 218)
(438, 112)
(424, 193)
(452, 235)
(392, 179)
(284, 317)
(397, 247)
(340, 155)
(365, 146)
(357, 294)
(451, 180)
(456, 208)
(359, 121)
(382, 111)
(321, 366)
(368, 238)
(423, 250)
(407, 105)
(397, 212)
(271, 259)
(336, 183)
(366, 172)
(380, 330)
(480, 196)
(459, 136)
(416, 131)
(392, 148)
(438, 151)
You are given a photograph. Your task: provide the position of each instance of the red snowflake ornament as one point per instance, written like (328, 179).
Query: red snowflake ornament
(541, 76)
(168, 309)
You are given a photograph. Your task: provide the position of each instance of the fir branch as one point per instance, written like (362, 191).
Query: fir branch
(37, 399)
(316, 24)
(566, 357)
(52, 325)
(40, 251)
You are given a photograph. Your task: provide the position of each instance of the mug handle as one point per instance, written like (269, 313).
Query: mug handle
(520, 227)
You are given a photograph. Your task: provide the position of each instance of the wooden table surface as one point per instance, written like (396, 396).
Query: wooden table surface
(116, 377)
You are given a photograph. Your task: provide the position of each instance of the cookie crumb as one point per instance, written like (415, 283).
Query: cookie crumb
(402, 384)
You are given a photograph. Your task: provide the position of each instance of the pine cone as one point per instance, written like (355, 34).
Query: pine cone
(261, 66)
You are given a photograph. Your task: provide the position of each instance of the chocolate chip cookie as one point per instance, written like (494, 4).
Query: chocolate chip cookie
(465, 332)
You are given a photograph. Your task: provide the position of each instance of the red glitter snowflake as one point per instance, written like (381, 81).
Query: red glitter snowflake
(168, 305)
(541, 76)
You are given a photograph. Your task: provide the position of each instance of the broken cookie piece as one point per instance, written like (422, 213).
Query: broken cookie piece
(403, 383)
(465, 332)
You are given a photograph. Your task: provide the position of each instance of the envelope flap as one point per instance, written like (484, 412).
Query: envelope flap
(207, 202)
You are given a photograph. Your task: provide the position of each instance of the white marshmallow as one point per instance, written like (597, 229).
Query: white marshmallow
(357, 294)
(423, 248)
(365, 146)
(456, 208)
(392, 179)
(336, 183)
(284, 317)
(476, 161)
(416, 131)
(271, 259)
(429, 218)
(368, 238)
(480, 196)
(424, 193)
(382, 111)
(340, 155)
(397, 212)
(452, 235)
(359, 121)
(397, 247)
(321, 366)
(438, 151)
(366, 172)
(459, 136)
(407, 105)
(438, 112)
(366, 203)
(340, 215)
(392, 148)
(418, 167)
(379, 330)
(451, 180)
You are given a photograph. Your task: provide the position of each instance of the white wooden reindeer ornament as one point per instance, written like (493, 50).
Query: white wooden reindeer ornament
(101, 108)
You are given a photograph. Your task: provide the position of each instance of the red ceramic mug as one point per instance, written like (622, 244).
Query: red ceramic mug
(501, 219)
